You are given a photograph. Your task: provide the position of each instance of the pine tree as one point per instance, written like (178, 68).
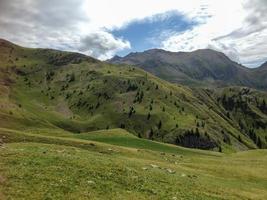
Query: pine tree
(151, 133)
(148, 116)
(259, 143)
(159, 124)
(197, 132)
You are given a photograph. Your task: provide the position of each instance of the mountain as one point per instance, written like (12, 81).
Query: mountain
(204, 67)
(264, 65)
(50, 92)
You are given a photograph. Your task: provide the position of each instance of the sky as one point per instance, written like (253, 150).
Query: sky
(105, 28)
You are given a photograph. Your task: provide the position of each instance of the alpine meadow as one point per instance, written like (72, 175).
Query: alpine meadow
(133, 100)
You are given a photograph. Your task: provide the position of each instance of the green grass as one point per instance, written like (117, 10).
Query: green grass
(38, 94)
(57, 142)
(120, 137)
(33, 166)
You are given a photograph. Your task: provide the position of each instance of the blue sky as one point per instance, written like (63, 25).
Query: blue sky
(148, 33)
(104, 28)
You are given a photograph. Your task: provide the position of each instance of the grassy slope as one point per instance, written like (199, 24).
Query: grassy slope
(33, 166)
(37, 92)
(49, 151)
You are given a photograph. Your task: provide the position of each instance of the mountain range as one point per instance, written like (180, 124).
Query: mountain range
(44, 89)
(205, 67)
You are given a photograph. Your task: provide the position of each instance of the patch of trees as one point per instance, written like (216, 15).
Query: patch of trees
(262, 106)
(230, 103)
(70, 77)
(193, 139)
(132, 87)
(226, 138)
(131, 112)
(256, 139)
(49, 75)
(64, 87)
(68, 95)
(139, 97)
(70, 58)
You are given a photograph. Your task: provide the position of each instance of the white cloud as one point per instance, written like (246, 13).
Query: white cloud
(61, 24)
(236, 27)
(102, 45)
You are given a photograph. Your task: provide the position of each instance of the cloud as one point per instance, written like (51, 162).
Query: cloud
(239, 31)
(61, 24)
(147, 32)
(255, 20)
(238, 28)
(102, 45)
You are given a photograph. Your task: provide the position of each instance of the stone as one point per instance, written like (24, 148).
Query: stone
(170, 171)
(154, 166)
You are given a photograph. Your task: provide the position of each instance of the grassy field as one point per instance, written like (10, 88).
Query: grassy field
(72, 127)
(48, 89)
(34, 166)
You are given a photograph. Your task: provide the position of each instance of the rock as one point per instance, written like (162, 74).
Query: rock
(170, 171)
(183, 175)
(145, 168)
(192, 176)
(154, 166)
(91, 182)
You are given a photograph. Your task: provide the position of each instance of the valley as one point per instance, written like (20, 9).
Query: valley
(74, 127)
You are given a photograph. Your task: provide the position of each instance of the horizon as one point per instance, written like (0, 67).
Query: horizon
(237, 29)
(143, 52)
(180, 114)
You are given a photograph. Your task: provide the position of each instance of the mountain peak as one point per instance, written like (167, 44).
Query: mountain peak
(180, 67)
(5, 43)
(264, 65)
(156, 51)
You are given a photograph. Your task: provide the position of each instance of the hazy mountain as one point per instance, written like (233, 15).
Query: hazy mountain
(198, 68)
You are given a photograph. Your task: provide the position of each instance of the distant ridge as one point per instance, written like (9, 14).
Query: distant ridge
(204, 67)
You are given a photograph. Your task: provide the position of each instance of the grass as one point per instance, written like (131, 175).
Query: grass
(34, 166)
(60, 138)
(41, 95)
(120, 137)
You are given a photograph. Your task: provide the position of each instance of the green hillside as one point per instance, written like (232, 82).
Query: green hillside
(33, 166)
(48, 89)
(72, 127)
(200, 68)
